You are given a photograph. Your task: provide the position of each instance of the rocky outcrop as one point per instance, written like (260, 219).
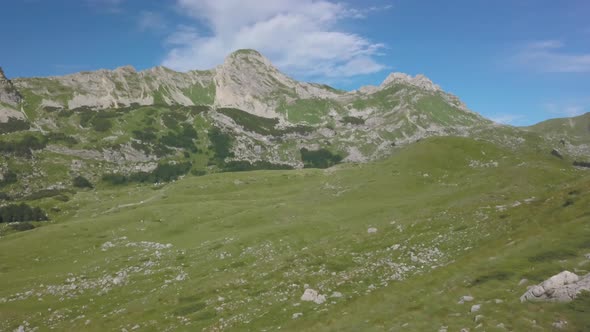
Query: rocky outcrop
(8, 93)
(420, 81)
(121, 87)
(249, 81)
(562, 287)
(311, 295)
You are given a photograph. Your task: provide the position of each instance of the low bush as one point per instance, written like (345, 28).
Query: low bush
(63, 138)
(13, 125)
(244, 165)
(81, 182)
(8, 178)
(21, 212)
(162, 173)
(321, 158)
(23, 146)
(353, 120)
(220, 144)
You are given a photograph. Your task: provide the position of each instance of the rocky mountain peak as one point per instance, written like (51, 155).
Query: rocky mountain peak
(126, 69)
(8, 93)
(419, 81)
(242, 59)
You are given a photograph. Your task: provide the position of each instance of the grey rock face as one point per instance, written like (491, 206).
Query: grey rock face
(117, 88)
(248, 81)
(419, 81)
(561, 287)
(8, 93)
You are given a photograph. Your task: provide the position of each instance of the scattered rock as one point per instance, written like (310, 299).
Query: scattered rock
(498, 301)
(336, 294)
(560, 325)
(372, 230)
(465, 298)
(561, 287)
(311, 295)
(297, 315)
(501, 326)
(464, 330)
(475, 307)
(443, 329)
(478, 318)
(523, 282)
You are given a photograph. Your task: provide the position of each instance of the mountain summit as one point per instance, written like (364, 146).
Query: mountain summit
(243, 114)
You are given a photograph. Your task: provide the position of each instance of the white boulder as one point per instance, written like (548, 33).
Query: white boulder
(311, 295)
(561, 287)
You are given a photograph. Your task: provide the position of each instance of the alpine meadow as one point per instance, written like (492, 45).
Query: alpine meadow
(239, 198)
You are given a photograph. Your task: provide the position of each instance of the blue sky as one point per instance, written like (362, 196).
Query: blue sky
(517, 61)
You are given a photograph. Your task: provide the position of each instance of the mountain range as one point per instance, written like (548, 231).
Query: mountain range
(125, 206)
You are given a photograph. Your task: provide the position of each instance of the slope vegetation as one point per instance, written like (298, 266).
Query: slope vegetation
(392, 245)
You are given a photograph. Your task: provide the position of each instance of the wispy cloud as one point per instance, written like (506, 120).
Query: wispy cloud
(567, 109)
(509, 119)
(302, 37)
(551, 56)
(148, 20)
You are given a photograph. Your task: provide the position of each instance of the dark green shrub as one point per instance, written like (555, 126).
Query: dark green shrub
(321, 158)
(220, 144)
(250, 122)
(197, 109)
(244, 165)
(148, 134)
(81, 182)
(65, 113)
(45, 193)
(162, 173)
(8, 178)
(61, 137)
(101, 124)
(171, 121)
(23, 146)
(198, 172)
(169, 172)
(4, 197)
(51, 109)
(582, 164)
(353, 120)
(184, 139)
(115, 179)
(298, 129)
(13, 125)
(21, 212)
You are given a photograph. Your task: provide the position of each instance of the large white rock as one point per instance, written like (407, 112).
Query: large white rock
(311, 295)
(561, 287)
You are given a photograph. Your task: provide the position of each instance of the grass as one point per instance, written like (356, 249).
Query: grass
(234, 250)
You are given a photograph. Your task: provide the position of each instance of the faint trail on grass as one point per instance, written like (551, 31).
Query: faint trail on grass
(121, 206)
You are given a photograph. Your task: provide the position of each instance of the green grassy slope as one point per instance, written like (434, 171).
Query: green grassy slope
(454, 216)
(576, 129)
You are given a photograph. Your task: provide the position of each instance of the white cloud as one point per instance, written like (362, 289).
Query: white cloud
(549, 56)
(509, 119)
(301, 37)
